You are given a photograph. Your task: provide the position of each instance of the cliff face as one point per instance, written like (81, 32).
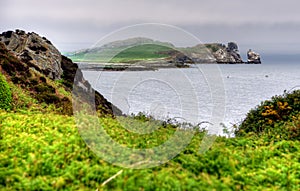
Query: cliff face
(35, 51)
(26, 58)
(225, 54)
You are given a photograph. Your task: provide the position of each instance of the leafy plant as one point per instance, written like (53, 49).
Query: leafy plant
(41, 151)
(265, 116)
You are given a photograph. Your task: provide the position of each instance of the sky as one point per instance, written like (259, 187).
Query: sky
(265, 26)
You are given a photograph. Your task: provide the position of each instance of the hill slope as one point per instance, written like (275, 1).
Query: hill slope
(32, 63)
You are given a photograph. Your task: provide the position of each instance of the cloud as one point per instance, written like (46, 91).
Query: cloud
(106, 12)
(84, 21)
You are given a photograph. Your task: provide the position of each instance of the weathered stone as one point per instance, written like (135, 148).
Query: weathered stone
(34, 50)
(232, 46)
(253, 57)
(29, 50)
(229, 54)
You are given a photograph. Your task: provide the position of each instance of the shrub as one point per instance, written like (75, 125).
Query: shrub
(271, 112)
(5, 94)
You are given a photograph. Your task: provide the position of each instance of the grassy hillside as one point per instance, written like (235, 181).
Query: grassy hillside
(119, 55)
(45, 152)
(142, 52)
(42, 150)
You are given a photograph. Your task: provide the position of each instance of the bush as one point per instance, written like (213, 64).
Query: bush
(271, 112)
(5, 94)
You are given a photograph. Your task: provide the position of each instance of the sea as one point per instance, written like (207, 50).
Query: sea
(219, 93)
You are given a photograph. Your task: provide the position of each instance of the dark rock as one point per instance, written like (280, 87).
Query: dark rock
(232, 46)
(253, 57)
(28, 54)
(34, 50)
(7, 34)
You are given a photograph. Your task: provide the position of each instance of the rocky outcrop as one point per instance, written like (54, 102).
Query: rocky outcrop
(229, 54)
(253, 57)
(26, 57)
(37, 52)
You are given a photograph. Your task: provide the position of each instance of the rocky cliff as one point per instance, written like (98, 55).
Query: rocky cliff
(225, 54)
(33, 63)
(35, 51)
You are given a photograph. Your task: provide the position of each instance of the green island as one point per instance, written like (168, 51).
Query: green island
(147, 51)
(41, 148)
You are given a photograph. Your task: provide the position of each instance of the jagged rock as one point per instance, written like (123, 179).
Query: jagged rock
(232, 46)
(229, 54)
(20, 51)
(253, 57)
(34, 50)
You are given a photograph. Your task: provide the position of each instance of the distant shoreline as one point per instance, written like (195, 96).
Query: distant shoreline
(139, 67)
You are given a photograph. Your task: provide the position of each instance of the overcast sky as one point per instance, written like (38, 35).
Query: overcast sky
(263, 25)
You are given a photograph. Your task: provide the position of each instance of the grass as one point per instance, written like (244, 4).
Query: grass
(143, 52)
(129, 55)
(41, 151)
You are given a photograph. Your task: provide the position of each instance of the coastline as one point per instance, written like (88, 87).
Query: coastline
(142, 66)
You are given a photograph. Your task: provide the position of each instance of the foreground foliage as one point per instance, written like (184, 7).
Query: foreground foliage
(270, 116)
(45, 152)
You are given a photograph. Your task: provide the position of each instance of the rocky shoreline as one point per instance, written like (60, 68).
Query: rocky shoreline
(136, 67)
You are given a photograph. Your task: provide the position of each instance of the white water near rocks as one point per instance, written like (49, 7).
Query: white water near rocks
(166, 94)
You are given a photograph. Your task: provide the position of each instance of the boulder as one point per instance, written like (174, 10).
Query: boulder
(253, 57)
(36, 51)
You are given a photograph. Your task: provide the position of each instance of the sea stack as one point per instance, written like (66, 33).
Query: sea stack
(253, 57)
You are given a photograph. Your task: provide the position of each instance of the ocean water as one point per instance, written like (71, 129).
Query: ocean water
(227, 92)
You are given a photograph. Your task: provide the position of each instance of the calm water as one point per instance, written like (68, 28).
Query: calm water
(187, 93)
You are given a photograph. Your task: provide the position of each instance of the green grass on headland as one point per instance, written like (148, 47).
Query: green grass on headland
(118, 55)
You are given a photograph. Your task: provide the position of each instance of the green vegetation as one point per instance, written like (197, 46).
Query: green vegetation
(142, 52)
(44, 151)
(120, 55)
(5, 94)
(271, 114)
(41, 148)
(29, 87)
(214, 47)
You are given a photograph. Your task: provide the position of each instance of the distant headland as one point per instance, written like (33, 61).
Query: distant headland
(131, 54)
(145, 51)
